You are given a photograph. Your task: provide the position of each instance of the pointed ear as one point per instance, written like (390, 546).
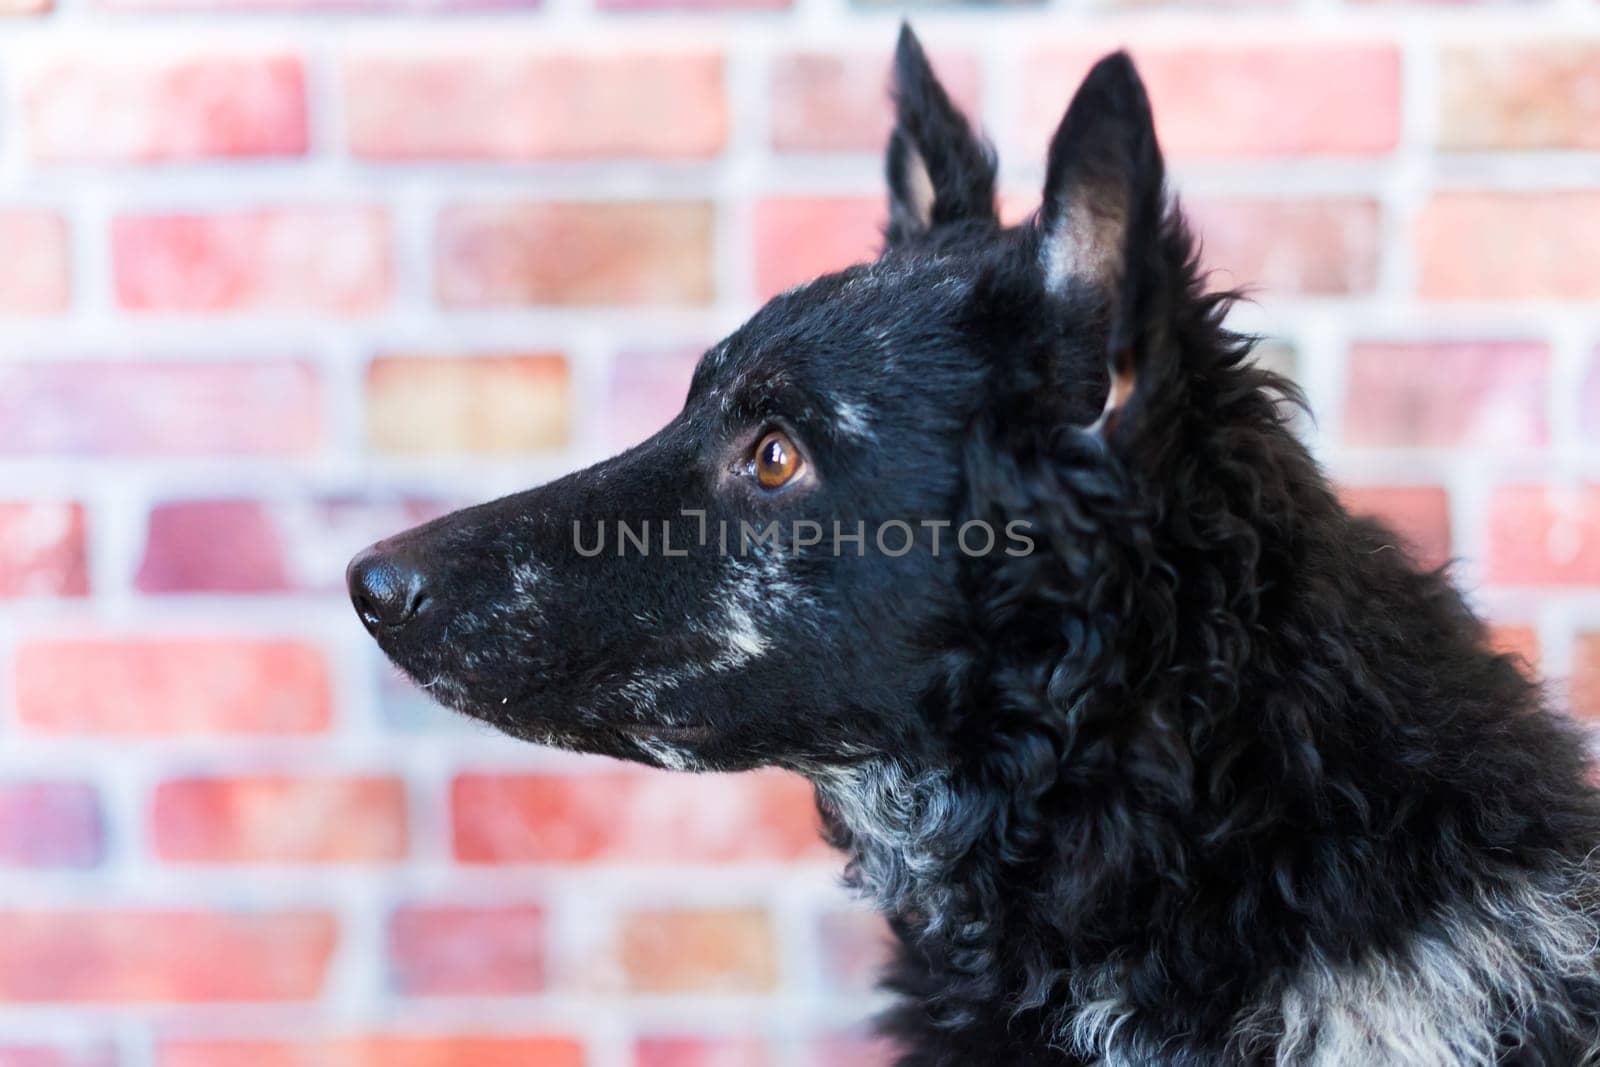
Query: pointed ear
(939, 171)
(1100, 224)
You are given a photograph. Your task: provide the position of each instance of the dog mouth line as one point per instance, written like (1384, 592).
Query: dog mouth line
(675, 735)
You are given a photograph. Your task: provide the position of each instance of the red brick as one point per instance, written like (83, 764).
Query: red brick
(39, 283)
(698, 951)
(488, 105)
(1510, 246)
(1450, 394)
(130, 109)
(833, 102)
(1586, 674)
(279, 820)
(163, 956)
(1247, 101)
(1530, 96)
(647, 391)
(296, 259)
(1419, 514)
(43, 551)
(377, 1052)
(419, 405)
(702, 1052)
(854, 947)
(649, 817)
(1545, 536)
(577, 254)
(50, 824)
(799, 239)
(159, 408)
(266, 546)
(461, 951)
(160, 687)
(1315, 247)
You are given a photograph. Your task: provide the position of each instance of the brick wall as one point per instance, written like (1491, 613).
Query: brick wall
(278, 277)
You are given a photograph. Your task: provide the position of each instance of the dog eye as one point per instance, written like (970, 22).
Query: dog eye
(777, 460)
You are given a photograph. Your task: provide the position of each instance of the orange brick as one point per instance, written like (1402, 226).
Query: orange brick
(1510, 246)
(575, 254)
(729, 951)
(1532, 96)
(476, 404)
(1586, 674)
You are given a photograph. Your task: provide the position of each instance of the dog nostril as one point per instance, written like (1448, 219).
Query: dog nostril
(385, 590)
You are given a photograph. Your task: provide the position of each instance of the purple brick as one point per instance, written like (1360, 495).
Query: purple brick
(50, 824)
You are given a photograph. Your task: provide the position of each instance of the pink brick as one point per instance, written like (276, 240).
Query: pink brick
(1246, 101)
(1586, 674)
(1510, 246)
(380, 1051)
(577, 254)
(332, 260)
(1531, 96)
(641, 817)
(161, 687)
(1272, 247)
(799, 239)
(128, 109)
(647, 390)
(88, 1053)
(493, 105)
(702, 1052)
(839, 102)
(466, 951)
(1589, 399)
(1545, 536)
(163, 956)
(43, 549)
(49, 824)
(1419, 514)
(266, 546)
(25, 7)
(852, 1051)
(159, 408)
(40, 282)
(279, 820)
(1487, 394)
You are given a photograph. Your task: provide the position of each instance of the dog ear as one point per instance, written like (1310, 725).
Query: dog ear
(1100, 223)
(939, 171)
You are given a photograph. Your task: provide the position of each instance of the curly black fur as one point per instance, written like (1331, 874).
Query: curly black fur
(1215, 775)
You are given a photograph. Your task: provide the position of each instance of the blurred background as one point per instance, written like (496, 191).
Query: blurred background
(281, 277)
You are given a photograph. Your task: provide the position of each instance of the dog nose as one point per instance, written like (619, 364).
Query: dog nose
(387, 591)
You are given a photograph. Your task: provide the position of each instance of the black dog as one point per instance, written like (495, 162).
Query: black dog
(1150, 751)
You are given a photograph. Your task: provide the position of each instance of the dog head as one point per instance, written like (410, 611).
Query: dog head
(778, 576)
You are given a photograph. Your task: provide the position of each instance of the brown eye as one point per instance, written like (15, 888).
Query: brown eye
(777, 460)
